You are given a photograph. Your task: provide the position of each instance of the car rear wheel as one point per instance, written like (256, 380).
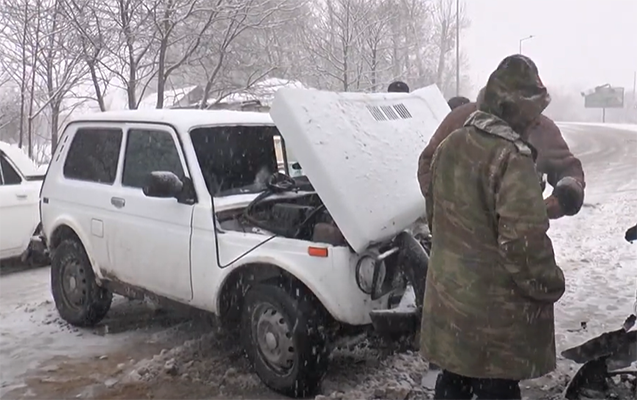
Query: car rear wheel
(78, 298)
(282, 333)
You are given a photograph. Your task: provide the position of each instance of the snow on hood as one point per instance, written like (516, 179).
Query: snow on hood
(360, 151)
(25, 165)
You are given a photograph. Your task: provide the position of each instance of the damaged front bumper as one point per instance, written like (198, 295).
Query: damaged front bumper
(412, 261)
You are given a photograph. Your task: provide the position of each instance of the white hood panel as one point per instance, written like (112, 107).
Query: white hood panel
(360, 152)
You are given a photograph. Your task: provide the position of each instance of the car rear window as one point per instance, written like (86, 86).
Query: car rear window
(93, 155)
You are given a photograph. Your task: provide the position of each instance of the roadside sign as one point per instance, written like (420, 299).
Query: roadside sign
(605, 96)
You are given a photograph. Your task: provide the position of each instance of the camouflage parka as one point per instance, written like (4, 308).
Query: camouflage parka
(554, 158)
(492, 278)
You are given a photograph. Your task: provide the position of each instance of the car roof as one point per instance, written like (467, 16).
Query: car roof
(183, 120)
(19, 158)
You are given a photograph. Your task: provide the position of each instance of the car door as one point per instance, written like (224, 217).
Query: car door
(16, 209)
(89, 171)
(151, 241)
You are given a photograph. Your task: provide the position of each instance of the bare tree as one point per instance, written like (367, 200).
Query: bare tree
(444, 18)
(51, 49)
(34, 67)
(412, 37)
(336, 39)
(60, 63)
(281, 43)
(91, 42)
(15, 45)
(184, 23)
(129, 56)
(19, 57)
(221, 62)
(376, 43)
(9, 111)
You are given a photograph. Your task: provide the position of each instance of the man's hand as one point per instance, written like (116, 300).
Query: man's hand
(553, 207)
(570, 194)
(567, 199)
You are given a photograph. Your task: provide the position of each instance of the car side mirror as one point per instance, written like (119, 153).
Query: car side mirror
(163, 184)
(296, 166)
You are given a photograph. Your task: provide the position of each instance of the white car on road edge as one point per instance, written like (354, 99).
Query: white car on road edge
(188, 206)
(20, 182)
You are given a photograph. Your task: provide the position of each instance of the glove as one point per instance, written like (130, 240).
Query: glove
(631, 234)
(570, 194)
(553, 207)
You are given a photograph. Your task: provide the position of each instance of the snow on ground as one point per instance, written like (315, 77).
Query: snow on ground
(138, 352)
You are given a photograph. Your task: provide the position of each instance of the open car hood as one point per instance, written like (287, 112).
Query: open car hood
(360, 152)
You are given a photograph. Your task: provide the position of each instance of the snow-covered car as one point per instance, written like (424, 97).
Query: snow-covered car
(188, 206)
(20, 182)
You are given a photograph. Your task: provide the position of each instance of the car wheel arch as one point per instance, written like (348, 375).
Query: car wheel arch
(66, 231)
(236, 284)
(61, 233)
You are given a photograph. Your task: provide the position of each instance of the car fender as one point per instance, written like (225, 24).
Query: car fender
(307, 275)
(331, 279)
(73, 223)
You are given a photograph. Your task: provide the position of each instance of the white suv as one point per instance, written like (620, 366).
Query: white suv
(187, 205)
(20, 183)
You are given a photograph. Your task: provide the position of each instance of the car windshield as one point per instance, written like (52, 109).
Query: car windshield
(240, 159)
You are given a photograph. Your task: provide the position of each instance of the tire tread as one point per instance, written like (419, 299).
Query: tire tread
(307, 318)
(98, 300)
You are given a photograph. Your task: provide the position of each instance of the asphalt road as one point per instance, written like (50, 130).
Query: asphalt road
(608, 155)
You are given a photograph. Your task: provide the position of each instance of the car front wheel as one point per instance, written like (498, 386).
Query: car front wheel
(78, 298)
(282, 333)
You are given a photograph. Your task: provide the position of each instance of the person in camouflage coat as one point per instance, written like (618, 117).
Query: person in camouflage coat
(554, 159)
(492, 280)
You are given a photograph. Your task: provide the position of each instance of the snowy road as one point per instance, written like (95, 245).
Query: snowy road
(137, 353)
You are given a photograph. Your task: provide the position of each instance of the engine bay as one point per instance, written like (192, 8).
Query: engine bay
(302, 216)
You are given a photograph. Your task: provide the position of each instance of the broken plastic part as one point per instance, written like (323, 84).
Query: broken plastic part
(591, 378)
(602, 355)
(607, 344)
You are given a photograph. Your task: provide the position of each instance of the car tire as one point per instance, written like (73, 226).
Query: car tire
(282, 332)
(80, 301)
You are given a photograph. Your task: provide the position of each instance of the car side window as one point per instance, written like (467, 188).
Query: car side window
(9, 175)
(93, 155)
(148, 151)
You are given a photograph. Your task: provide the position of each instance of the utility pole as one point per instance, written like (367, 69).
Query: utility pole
(457, 47)
(522, 40)
(634, 86)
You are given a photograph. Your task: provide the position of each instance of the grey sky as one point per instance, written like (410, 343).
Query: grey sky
(578, 44)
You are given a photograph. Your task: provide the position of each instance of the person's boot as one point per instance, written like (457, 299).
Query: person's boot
(450, 386)
(496, 389)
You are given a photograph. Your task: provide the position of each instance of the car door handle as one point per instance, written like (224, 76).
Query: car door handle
(118, 202)
(21, 196)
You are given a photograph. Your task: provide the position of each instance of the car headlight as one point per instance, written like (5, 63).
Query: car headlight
(365, 268)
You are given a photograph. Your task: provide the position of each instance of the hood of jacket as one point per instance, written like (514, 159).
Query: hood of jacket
(515, 93)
